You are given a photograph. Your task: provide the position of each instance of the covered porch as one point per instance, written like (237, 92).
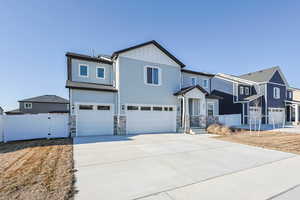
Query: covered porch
(292, 110)
(197, 108)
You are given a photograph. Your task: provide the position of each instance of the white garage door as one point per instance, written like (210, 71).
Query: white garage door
(150, 119)
(94, 120)
(276, 115)
(255, 114)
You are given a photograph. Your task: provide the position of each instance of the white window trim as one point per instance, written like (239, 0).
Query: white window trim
(194, 78)
(207, 86)
(241, 90)
(103, 72)
(290, 94)
(247, 91)
(27, 108)
(159, 76)
(87, 71)
(278, 94)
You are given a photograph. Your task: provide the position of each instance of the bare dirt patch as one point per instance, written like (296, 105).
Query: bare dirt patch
(37, 169)
(286, 142)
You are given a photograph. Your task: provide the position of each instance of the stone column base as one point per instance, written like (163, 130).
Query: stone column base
(119, 125)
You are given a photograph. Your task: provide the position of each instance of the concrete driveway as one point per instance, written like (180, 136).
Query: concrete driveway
(181, 167)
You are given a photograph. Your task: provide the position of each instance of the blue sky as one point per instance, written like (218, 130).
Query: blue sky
(232, 37)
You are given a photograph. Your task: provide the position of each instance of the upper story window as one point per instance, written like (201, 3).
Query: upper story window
(247, 91)
(205, 83)
(83, 70)
(276, 93)
(241, 90)
(100, 72)
(27, 105)
(152, 75)
(194, 81)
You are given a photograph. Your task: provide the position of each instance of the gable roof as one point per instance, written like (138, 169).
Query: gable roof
(116, 53)
(187, 89)
(197, 73)
(235, 79)
(264, 75)
(46, 99)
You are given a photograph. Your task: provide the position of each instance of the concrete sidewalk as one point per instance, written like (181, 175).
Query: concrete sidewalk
(177, 166)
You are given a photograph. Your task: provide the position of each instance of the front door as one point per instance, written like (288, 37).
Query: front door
(194, 112)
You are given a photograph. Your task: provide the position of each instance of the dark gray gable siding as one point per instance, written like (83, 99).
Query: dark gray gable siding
(275, 103)
(43, 107)
(276, 78)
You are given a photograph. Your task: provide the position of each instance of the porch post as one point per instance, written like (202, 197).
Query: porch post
(183, 114)
(187, 115)
(296, 114)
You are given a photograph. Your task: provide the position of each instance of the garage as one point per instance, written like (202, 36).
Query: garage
(276, 115)
(94, 119)
(255, 114)
(150, 119)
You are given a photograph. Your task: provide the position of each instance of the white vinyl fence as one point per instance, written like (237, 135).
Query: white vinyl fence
(230, 120)
(1, 128)
(25, 127)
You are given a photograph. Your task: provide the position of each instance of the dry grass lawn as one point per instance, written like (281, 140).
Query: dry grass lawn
(286, 142)
(37, 169)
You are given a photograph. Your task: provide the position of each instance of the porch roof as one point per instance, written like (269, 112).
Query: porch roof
(187, 89)
(292, 102)
(253, 97)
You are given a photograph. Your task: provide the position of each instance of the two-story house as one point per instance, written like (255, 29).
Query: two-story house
(140, 89)
(41, 104)
(260, 97)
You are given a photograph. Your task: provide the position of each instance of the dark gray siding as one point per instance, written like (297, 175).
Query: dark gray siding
(43, 107)
(271, 101)
(243, 96)
(277, 78)
(226, 105)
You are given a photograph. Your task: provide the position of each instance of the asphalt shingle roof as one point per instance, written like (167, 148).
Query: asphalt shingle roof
(46, 99)
(260, 76)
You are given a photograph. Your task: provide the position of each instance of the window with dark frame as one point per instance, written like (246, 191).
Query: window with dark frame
(170, 108)
(145, 108)
(156, 108)
(165, 108)
(132, 107)
(152, 75)
(83, 70)
(103, 107)
(85, 107)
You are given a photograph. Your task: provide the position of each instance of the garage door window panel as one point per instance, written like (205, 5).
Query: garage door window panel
(145, 108)
(103, 107)
(156, 108)
(132, 108)
(85, 107)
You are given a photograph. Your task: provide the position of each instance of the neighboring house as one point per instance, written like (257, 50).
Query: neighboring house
(293, 106)
(258, 96)
(141, 89)
(1, 111)
(41, 104)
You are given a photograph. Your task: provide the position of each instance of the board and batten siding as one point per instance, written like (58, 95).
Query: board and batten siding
(91, 72)
(149, 53)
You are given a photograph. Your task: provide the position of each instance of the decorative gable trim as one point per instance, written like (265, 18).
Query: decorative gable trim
(117, 53)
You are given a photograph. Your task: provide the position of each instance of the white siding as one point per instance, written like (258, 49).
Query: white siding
(150, 53)
(187, 80)
(230, 120)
